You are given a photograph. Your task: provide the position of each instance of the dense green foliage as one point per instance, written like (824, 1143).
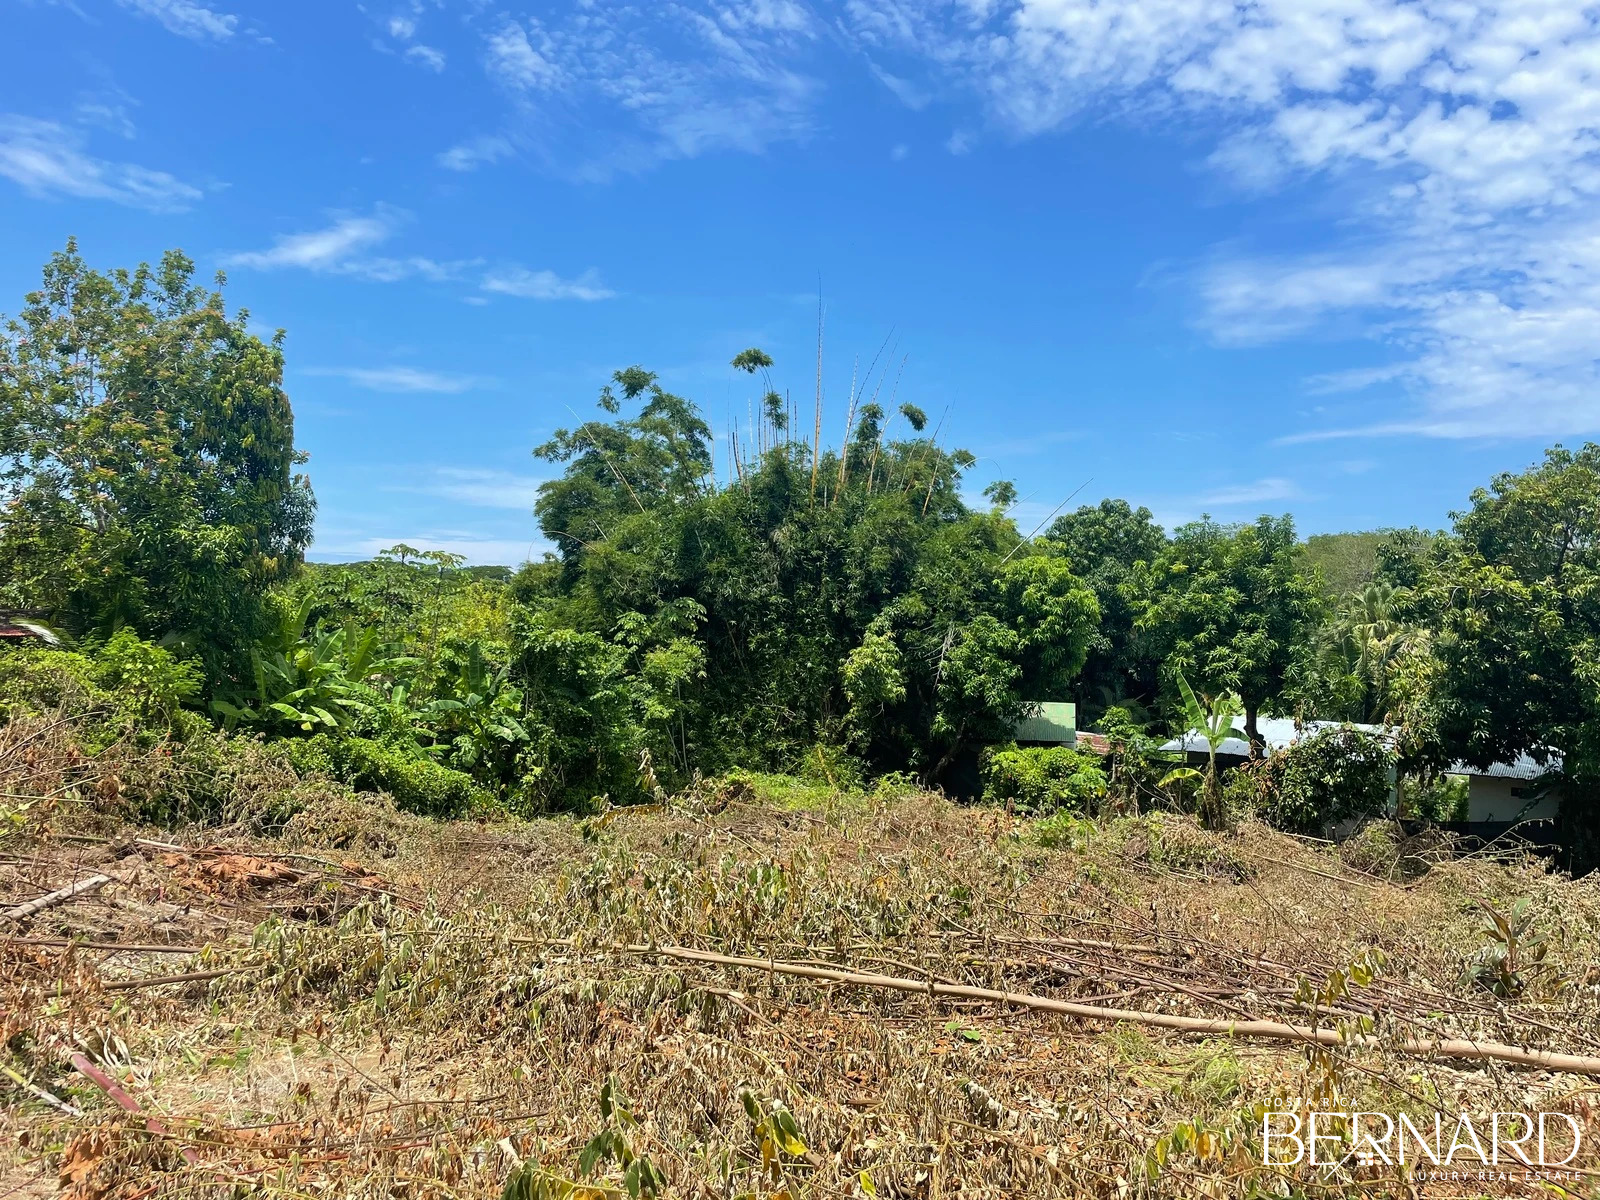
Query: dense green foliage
(1233, 608)
(771, 606)
(1104, 543)
(1513, 658)
(1332, 775)
(1346, 562)
(1039, 780)
(147, 460)
(851, 600)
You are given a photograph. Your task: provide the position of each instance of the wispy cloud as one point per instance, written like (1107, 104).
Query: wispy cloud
(1462, 139)
(484, 488)
(546, 285)
(399, 379)
(475, 152)
(512, 60)
(397, 34)
(426, 56)
(321, 249)
(1260, 491)
(343, 247)
(186, 18)
(477, 549)
(595, 91)
(46, 158)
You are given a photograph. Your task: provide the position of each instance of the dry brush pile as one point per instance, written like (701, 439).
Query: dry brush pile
(721, 997)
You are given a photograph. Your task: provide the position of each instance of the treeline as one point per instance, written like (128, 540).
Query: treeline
(771, 603)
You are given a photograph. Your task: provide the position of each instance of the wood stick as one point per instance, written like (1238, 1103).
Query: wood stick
(1272, 1030)
(132, 947)
(71, 892)
(128, 985)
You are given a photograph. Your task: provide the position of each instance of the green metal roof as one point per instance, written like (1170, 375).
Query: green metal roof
(1049, 721)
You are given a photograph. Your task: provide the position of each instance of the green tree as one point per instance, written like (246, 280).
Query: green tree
(1515, 656)
(1234, 608)
(1347, 562)
(147, 460)
(1362, 647)
(1103, 543)
(877, 611)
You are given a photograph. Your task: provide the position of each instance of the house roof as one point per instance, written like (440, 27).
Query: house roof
(1277, 733)
(1523, 768)
(1099, 743)
(25, 630)
(1049, 721)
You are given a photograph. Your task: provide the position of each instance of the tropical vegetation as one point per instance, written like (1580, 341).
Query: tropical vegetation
(773, 604)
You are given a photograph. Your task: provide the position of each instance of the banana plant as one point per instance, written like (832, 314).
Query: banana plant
(316, 681)
(1213, 719)
(478, 710)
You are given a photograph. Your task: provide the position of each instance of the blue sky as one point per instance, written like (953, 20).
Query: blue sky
(1333, 257)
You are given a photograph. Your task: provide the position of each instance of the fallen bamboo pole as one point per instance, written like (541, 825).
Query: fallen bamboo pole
(60, 896)
(128, 985)
(1458, 1048)
(79, 944)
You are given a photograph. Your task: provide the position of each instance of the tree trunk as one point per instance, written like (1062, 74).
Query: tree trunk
(1251, 732)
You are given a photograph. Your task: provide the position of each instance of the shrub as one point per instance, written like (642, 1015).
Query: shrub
(1136, 763)
(125, 677)
(146, 679)
(1042, 779)
(1336, 773)
(417, 783)
(1440, 799)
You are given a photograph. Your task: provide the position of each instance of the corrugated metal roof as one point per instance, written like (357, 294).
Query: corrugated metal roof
(1523, 768)
(1049, 721)
(1277, 733)
(1097, 742)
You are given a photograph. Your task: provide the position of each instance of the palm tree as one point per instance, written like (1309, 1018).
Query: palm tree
(1213, 719)
(1367, 637)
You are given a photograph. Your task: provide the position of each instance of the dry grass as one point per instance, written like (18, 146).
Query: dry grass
(422, 1005)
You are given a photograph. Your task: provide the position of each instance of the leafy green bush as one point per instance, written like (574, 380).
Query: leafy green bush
(1336, 773)
(1440, 799)
(146, 679)
(125, 684)
(417, 783)
(1042, 779)
(35, 680)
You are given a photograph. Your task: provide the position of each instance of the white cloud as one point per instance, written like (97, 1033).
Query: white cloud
(47, 159)
(341, 249)
(903, 90)
(427, 56)
(398, 379)
(474, 153)
(321, 249)
(1460, 139)
(1262, 491)
(186, 18)
(599, 90)
(545, 285)
(485, 488)
(514, 62)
